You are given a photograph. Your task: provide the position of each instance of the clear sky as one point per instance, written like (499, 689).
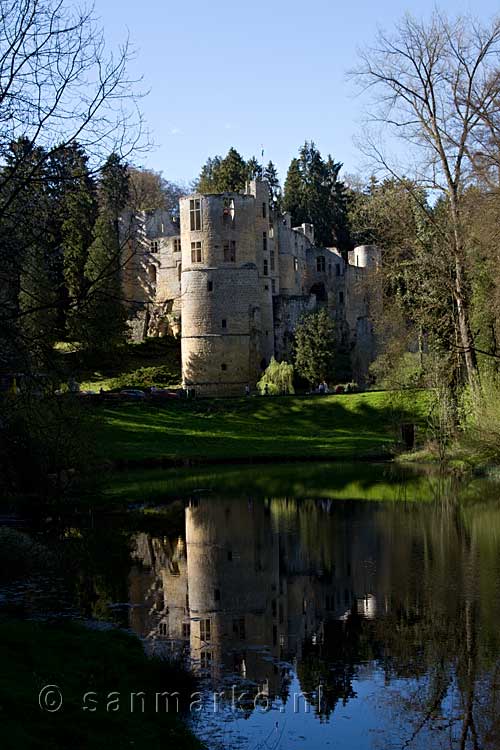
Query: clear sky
(240, 73)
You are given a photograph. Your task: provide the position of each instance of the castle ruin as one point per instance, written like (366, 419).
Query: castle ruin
(233, 278)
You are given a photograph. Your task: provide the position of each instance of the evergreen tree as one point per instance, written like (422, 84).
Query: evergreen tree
(232, 173)
(292, 198)
(254, 169)
(28, 270)
(315, 347)
(207, 181)
(103, 315)
(271, 176)
(79, 207)
(313, 193)
(227, 175)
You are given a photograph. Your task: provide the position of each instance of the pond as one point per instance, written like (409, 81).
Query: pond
(320, 606)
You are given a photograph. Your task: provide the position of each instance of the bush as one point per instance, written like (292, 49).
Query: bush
(480, 419)
(277, 379)
(145, 377)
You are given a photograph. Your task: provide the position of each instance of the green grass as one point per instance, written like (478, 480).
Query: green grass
(155, 361)
(79, 660)
(347, 427)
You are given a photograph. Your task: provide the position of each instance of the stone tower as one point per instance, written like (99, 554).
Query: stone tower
(227, 331)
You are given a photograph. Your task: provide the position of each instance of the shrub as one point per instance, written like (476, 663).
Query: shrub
(277, 379)
(480, 419)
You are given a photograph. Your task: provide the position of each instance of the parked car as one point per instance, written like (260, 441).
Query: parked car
(133, 394)
(163, 393)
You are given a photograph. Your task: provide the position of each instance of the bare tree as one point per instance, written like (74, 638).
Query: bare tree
(437, 85)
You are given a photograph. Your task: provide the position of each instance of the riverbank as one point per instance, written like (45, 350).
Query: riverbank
(79, 661)
(353, 427)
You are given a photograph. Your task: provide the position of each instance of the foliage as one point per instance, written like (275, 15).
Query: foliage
(277, 380)
(46, 444)
(313, 193)
(480, 420)
(315, 347)
(145, 377)
(150, 191)
(102, 315)
(231, 173)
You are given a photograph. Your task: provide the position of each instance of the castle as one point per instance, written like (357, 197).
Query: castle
(233, 278)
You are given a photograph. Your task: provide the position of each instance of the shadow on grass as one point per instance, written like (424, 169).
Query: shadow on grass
(358, 426)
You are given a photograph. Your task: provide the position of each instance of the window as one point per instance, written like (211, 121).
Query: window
(230, 251)
(205, 630)
(341, 298)
(179, 272)
(228, 211)
(272, 260)
(320, 263)
(337, 269)
(195, 214)
(264, 210)
(296, 264)
(264, 241)
(217, 595)
(210, 286)
(271, 231)
(155, 246)
(196, 252)
(239, 628)
(273, 286)
(230, 555)
(186, 629)
(266, 287)
(223, 367)
(206, 659)
(163, 628)
(224, 323)
(177, 244)
(266, 267)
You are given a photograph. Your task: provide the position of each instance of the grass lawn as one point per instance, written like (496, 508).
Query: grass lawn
(156, 361)
(354, 426)
(79, 660)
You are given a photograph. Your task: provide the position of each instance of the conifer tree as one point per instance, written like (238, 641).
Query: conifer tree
(313, 193)
(103, 316)
(271, 176)
(315, 347)
(79, 213)
(254, 169)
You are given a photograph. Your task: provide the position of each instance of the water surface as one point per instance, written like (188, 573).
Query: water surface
(342, 607)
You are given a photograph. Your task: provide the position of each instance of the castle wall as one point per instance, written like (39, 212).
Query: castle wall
(221, 296)
(236, 285)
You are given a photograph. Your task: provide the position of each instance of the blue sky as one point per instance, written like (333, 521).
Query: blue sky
(243, 74)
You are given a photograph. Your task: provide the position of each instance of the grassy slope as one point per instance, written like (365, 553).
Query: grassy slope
(348, 427)
(152, 362)
(78, 660)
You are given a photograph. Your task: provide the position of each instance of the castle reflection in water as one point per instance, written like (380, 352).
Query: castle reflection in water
(254, 584)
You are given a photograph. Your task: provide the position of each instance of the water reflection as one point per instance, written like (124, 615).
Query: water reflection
(391, 608)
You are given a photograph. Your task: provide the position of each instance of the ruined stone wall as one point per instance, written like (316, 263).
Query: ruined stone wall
(234, 314)
(145, 246)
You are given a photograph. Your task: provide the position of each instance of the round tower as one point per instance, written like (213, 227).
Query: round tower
(219, 293)
(365, 256)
